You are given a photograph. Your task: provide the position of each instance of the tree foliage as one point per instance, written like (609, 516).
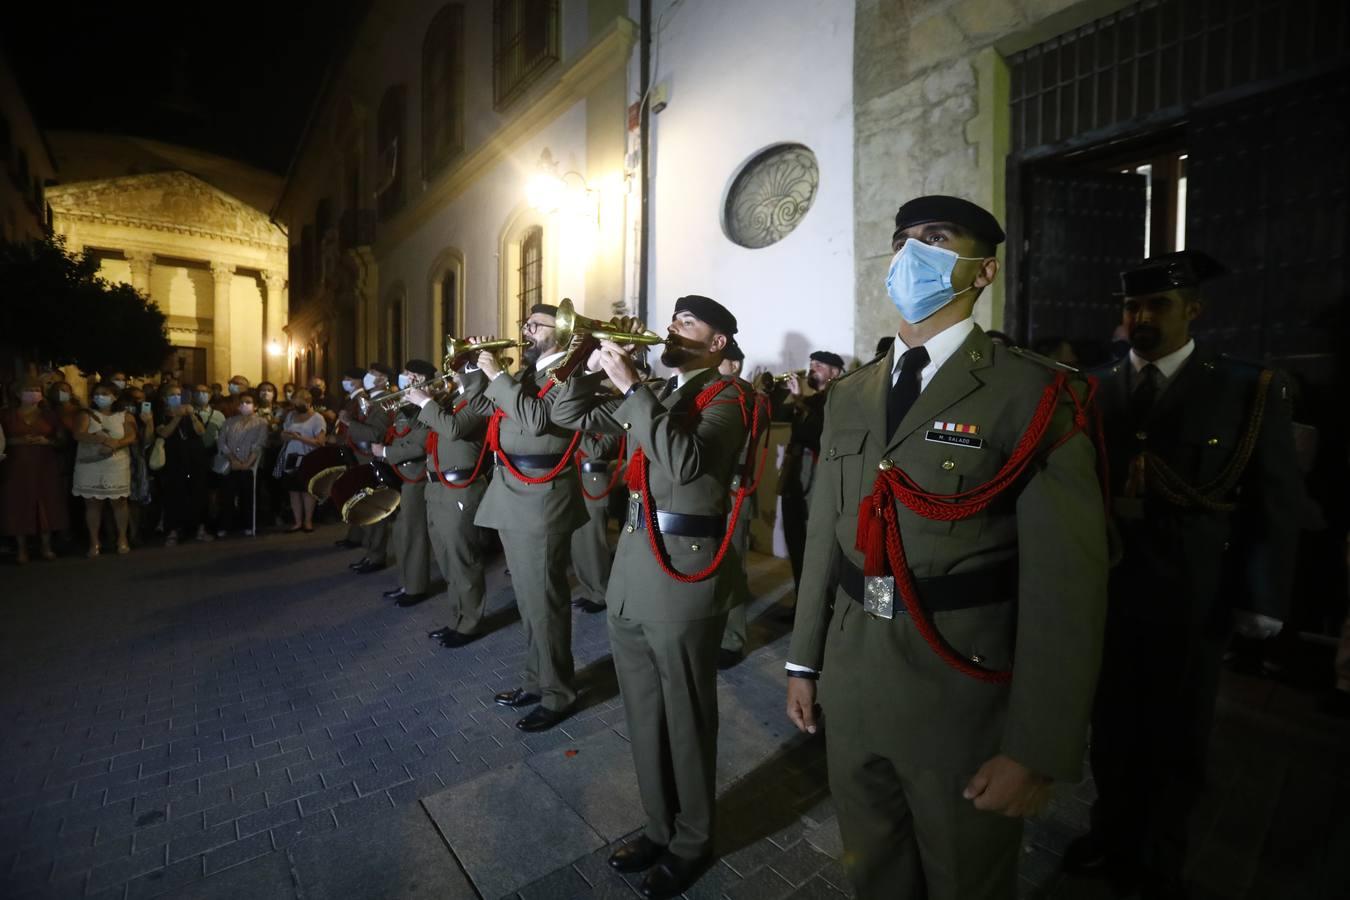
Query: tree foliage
(54, 307)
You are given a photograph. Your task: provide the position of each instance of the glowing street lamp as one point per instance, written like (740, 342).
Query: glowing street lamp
(274, 348)
(547, 192)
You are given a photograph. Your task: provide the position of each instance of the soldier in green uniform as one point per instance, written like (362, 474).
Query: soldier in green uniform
(806, 413)
(1206, 498)
(534, 503)
(457, 479)
(351, 410)
(591, 558)
(737, 632)
(407, 452)
(936, 751)
(665, 633)
(362, 431)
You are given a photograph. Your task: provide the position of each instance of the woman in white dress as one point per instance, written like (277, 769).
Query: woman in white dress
(103, 464)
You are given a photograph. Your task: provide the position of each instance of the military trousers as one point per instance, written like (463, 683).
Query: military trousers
(668, 678)
(538, 564)
(737, 630)
(412, 546)
(591, 559)
(794, 533)
(1150, 737)
(375, 539)
(457, 548)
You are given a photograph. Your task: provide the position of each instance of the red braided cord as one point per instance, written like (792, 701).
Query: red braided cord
(434, 448)
(494, 441)
(637, 480)
(613, 478)
(879, 529)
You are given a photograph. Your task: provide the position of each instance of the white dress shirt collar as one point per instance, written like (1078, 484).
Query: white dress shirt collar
(546, 361)
(683, 378)
(940, 346)
(1169, 365)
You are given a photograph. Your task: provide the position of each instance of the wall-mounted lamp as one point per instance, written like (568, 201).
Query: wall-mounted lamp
(548, 192)
(274, 348)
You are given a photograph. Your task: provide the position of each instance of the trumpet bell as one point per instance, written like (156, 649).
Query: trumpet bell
(456, 350)
(568, 322)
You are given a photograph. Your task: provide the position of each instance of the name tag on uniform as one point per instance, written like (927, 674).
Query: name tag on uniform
(960, 440)
(879, 596)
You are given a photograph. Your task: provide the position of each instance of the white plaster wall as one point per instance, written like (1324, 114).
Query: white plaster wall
(473, 223)
(743, 76)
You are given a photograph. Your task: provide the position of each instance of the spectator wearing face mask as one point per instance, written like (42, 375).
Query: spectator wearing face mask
(31, 502)
(103, 464)
(272, 409)
(242, 442)
(187, 462)
(321, 401)
(235, 387)
(61, 399)
(134, 404)
(118, 381)
(303, 431)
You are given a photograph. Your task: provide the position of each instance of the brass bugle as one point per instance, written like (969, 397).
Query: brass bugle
(391, 402)
(645, 338)
(456, 350)
(779, 379)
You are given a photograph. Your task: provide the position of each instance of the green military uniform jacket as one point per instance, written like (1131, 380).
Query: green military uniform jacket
(691, 459)
(1192, 566)
(408, 453)
(807, 415)
(554, 507)
(370, 429)
(460, 437)
(1048, 625)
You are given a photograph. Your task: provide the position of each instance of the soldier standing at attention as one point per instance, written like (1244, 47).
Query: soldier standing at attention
(362, 431)
(1207, 497)
(591, 558)
(350, 411)
(535, 504)
(737, 633)
(674, 576)
(940, 744)
(405, 449)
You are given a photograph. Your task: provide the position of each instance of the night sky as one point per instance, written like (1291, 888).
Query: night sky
(236, 79)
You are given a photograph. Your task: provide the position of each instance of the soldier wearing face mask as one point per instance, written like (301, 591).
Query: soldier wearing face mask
(352, 393)
(362, 431)
(912, 599)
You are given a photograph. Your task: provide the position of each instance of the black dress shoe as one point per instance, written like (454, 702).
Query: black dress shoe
(636, 856)
(411, 599)
(346, 544)
(542, 718)
(515, 697)
(367, 567)
(440, 633)
(726, 659)
(1086, 856)
(457, 639)
(671, 876)
(587, 606)
(394, 594)
(358, 564)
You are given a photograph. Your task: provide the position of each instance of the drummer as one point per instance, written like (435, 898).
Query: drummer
(365, 429)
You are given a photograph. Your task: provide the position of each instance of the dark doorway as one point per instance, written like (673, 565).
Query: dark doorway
(188, 365)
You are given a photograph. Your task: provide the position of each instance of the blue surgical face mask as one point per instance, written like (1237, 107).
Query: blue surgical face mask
(234, 389)
(368, 382)
(403, 381)
(920, 280)
(103, 401)
(201, 397)
(173, 400)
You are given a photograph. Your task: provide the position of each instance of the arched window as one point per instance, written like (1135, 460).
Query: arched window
(391, 151)
(524, 44)
(443, 89)
(531, 271)
(450, 303)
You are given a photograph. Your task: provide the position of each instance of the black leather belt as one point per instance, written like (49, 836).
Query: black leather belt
(686, 526)
(454, 475)
(531, 460)
(595, 465)
(945, 592)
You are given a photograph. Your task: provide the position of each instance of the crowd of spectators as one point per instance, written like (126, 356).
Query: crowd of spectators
(143, 461)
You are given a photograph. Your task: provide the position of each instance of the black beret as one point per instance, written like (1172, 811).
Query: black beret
(354, 373)
(1168, 271)
(383, 370)
(828, 358)
(420, 367)
(546, 309)
(938, 208)
(734, 352)
(708, 310)
(884, 344)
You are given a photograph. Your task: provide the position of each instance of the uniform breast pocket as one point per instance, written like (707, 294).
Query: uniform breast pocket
(949, 469)
(841, 461)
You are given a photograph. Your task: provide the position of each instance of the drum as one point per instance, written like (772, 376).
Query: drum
(366, 494)
(323, 466)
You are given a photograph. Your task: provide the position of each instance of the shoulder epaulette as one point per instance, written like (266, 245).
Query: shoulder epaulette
(851, 372)
(1042, 360)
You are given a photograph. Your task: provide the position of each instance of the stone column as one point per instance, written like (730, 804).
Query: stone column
(140, 261)
(274, 321)
(221, 363)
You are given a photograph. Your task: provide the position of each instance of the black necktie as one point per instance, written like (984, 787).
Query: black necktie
(670, 387)
(906, 388)
(1144, 395)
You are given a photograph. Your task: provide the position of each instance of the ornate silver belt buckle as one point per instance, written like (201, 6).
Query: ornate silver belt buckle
(634, 510)
(879, 596)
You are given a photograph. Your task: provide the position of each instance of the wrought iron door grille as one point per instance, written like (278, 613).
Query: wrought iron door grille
(531, 271)
(1158, 57)
(524, 44)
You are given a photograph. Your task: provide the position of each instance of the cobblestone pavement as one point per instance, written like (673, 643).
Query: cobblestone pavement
(249, 719)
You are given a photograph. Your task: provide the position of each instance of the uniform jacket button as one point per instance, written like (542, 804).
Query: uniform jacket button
(628, 528)
(1213, 442)
(625, 426)
(948, 464)
(1141, 435)
(831, 453)
(977, 659)
(634, 495)
(693, 546)
(886, 465)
